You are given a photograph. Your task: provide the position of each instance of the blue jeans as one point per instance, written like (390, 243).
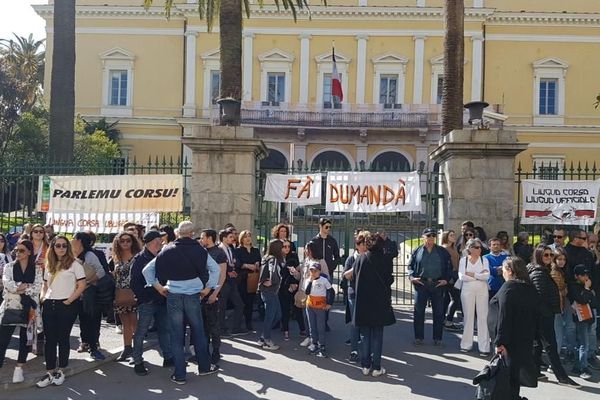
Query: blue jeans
(593, 339)
(371, 343)
(316, 325)
(422, 294)
(272, 312)
(564, 326)
(146, 312)
(178, 306)
(354, 331)
(584, 331)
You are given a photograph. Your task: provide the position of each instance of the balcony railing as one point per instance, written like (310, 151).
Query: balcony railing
(399, 116)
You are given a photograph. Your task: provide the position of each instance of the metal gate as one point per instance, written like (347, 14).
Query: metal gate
(403, 228)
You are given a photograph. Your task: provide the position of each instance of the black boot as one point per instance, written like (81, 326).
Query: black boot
(125, 354)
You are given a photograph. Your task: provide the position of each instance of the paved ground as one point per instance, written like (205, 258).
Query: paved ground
(252, 373)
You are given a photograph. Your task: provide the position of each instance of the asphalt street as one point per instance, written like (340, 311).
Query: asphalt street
(248, 372)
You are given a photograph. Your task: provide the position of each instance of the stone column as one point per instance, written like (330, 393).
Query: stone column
(189, 107)
(361, 68)
(419, 61)
(247, 66)
(478, 184)
(477, 71)
(304, 68)
(223, 179)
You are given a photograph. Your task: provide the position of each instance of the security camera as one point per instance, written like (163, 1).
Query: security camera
(495, 116)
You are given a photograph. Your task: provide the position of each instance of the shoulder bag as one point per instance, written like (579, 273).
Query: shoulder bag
(124, 297)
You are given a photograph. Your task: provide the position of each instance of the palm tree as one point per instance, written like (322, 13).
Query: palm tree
(62, 84)
(25, 57)
(230, 33)
(452, 91)
(110, 129)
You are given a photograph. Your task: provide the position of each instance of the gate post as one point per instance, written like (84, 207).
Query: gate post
(223, 175)
(478, 167)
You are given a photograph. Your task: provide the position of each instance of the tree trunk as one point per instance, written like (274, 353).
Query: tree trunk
(62, 84)
(454, 61)
(230, 23)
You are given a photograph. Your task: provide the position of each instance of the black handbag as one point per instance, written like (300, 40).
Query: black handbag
(105, 290)
(13, 317)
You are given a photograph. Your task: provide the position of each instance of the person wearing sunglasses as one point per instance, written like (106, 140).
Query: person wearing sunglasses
(328, 246)
(22, 286)
(429, 270)
(64, 282)
(468, 234)
(539, 273)
(474, 272)
(559, 237)
(125, 246)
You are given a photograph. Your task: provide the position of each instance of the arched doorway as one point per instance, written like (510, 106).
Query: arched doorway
(274, 161)
(391, 161)
(329, 160)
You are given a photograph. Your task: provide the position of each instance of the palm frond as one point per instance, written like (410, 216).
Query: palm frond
(597, 103)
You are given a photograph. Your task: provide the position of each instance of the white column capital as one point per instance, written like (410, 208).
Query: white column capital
(249, 35)
(419, 37)
(191, 34)
(477, 37)
(304, 36)
(362, 37)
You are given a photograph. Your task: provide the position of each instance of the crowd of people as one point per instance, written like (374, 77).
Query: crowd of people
(521, 300)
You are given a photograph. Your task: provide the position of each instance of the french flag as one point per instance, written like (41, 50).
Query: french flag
(336, 83)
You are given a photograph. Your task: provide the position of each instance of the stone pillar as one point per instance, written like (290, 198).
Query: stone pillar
(304, 68)
(477, 72)
(361, 68)
(248, 53)
(478, 184)
(223, 179)
(419, 60)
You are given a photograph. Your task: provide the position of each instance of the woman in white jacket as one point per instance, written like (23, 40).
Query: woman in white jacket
(474, 271)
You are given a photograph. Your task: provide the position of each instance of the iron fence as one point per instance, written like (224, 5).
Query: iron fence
(403, 228)
(581, 170)
(19, 185)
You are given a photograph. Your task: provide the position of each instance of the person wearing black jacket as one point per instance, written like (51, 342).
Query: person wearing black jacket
(287, 290)
(328, 246)
(151, 305)
(539, 274)
(513, 322)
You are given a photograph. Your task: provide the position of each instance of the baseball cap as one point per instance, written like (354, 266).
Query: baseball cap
(323, 221)
(316, 266)
(428, 231)
(151, 235)
(580, 270)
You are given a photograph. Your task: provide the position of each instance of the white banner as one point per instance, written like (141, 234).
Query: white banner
(301, 189)
(71, 222)
(559, 202)
(373, 192)
(110, 193)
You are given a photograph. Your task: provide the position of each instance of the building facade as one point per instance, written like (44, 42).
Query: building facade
(535, 61)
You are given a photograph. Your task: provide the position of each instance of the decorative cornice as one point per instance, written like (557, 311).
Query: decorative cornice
(47, 10)
(543, 18)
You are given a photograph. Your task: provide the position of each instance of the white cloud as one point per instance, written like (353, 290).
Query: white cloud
(19, 17)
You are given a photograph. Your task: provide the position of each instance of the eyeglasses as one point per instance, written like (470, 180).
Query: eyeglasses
(470, 235)
(547, 254)
(61, 246)
(19, 250)
(38, 231)
(430, 235)
(558, 236)
(326, 226)
(582, 238)
(124, 240)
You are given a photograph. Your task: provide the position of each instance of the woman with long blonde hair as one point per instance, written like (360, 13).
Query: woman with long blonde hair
(64, 282)
(125, 247)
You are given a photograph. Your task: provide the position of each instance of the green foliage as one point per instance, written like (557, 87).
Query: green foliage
(94, 149)
(111, 130)
(30, 143)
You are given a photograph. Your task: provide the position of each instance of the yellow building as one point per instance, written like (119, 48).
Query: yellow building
(537, 60)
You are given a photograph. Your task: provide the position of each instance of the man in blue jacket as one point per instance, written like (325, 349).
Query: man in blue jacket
(151, 305)
(182, 268)
(430, 269)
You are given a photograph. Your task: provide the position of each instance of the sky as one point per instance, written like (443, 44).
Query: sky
(17, 16)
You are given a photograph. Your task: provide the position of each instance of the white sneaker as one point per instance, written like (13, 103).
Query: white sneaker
(378, 372)
(119, 330)
(18, 375)
(305, 342)
(269, 345)
(366, 371)
(312, 347)
(59, 377)
(46, 380)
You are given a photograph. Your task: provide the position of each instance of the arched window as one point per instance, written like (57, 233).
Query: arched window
(275, 160)
(330, 160)
(390, 161)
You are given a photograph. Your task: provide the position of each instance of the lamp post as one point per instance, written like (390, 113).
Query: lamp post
(476, 112)
(229, 111)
